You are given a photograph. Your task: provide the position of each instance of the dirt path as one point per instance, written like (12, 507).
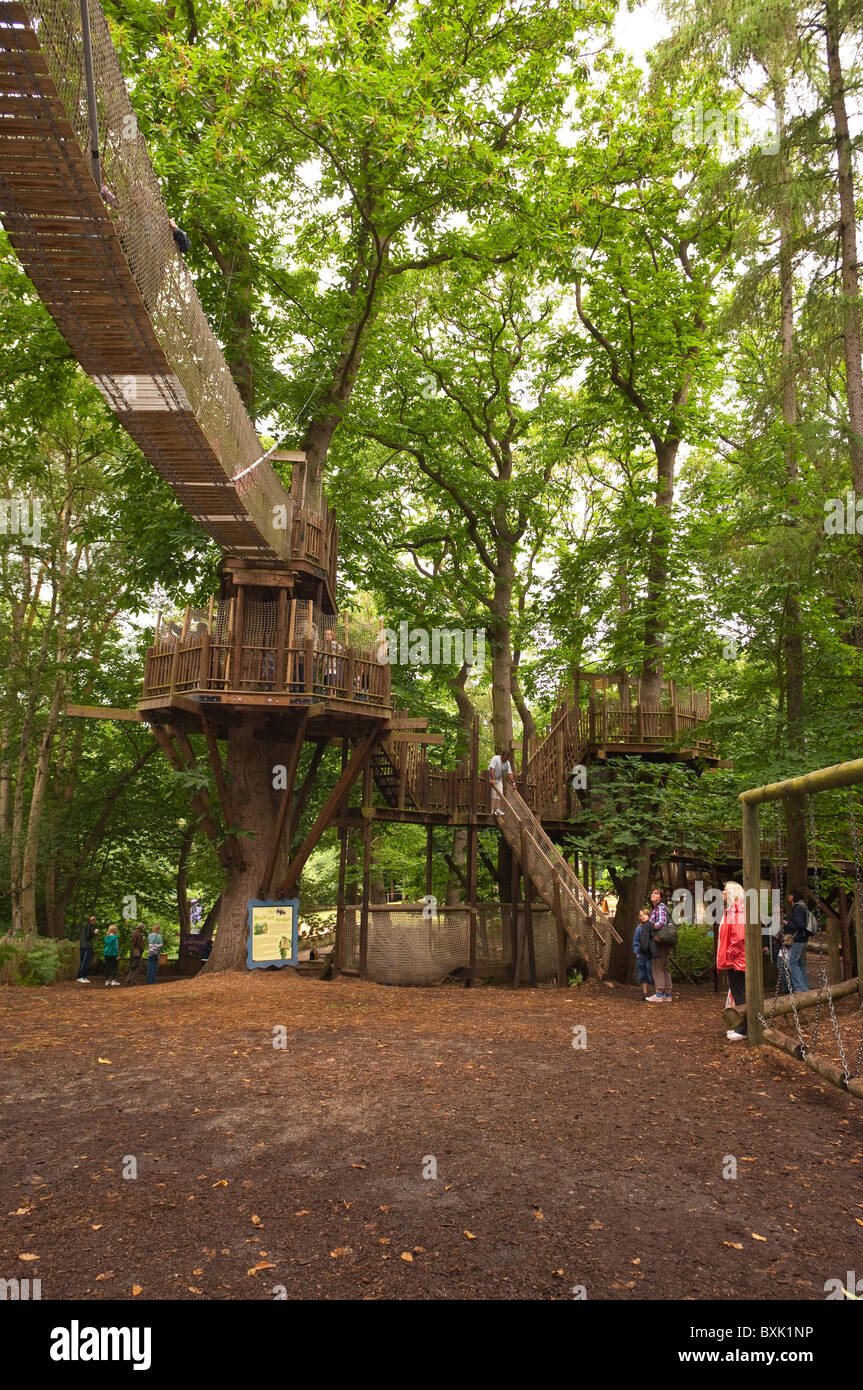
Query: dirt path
(599, 1167)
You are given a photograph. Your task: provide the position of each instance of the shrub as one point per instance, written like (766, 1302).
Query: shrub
(36, 960)
(693, 953)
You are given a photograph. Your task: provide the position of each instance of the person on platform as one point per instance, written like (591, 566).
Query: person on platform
(641, 951)
(111, 953)
(154, 950)
(731, 950)
(498, 768)
(86, 942)
(659, 950)
(136, 951)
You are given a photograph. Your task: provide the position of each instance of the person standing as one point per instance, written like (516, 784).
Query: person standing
(731, 950)
(796, 928)
(111, 952)
(136, 951)
(498, 768)
(86, 942)
(641, 951)
(154, 950)
(659, 950)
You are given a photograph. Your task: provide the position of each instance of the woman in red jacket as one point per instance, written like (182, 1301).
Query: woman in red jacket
(731, 949)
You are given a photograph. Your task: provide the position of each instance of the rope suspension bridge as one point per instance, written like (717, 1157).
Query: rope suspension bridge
(112, 277)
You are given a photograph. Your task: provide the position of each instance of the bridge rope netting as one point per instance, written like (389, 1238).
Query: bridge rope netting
(106, 265)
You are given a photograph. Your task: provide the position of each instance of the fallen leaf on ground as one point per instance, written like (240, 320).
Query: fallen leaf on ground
(256, 1221)
(262, 1264)
(757, 1237)
(340, 1250)
(109, 1274)
(28, 1257)
(136, 1289)
(223, 1182)
(470, 1235)
(734, 1244)
(106, 1062)
(407, 1257)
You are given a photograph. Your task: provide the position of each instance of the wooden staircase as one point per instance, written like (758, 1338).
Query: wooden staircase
(590, 930)
(391, 779)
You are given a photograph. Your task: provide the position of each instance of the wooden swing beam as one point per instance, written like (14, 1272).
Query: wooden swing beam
(824, 779)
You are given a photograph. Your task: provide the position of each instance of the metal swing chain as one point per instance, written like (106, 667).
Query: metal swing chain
(823, 984)
(858, 889)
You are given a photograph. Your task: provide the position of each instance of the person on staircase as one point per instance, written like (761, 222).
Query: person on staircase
(498, 768)
(731, 950)
(659, 950)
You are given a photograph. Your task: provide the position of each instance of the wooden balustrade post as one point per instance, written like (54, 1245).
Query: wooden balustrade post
(204, 665)
(237, 650)
(309, 662)
(281, 639)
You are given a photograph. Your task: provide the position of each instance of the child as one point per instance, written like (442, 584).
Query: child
(112, 951)
(641, 949)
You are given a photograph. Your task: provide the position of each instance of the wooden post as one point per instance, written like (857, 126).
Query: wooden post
(367, 877)
(281, 640)
(237, 652)
(562, 973)
(339, 947)
(517, 919)
(752, 887)
(858, 935)
(429, 856)
(309, 660)
(472, 856)
(844, 928)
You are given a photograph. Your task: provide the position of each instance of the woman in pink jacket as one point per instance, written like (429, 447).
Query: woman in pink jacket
(731, 949)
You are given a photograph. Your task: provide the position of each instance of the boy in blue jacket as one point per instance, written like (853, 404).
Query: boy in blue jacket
(643, 967)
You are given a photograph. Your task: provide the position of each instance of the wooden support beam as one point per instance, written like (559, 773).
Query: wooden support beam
(284, 808)
(308, 785)
(752, 886)
(339, 946)
(355, 766)
(103, 712)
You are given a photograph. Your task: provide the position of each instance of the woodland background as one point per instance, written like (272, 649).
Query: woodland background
(573, 380)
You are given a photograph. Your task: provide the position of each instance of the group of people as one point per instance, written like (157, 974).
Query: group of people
(654, 938)
(111, 953)
(652, 944)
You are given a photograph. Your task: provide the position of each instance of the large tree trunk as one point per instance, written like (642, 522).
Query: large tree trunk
(250, 765)
(851, 332)
(792, 626)
(631, 895)
(657, 573)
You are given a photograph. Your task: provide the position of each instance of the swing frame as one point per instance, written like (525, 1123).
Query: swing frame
(840, 775)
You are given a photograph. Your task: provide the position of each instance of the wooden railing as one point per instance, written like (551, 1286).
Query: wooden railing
(200, 663)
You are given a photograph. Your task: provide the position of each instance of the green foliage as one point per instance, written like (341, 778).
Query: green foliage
(693, 954)
(34, 960)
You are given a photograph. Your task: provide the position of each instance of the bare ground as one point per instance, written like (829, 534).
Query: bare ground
(558, 1167)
